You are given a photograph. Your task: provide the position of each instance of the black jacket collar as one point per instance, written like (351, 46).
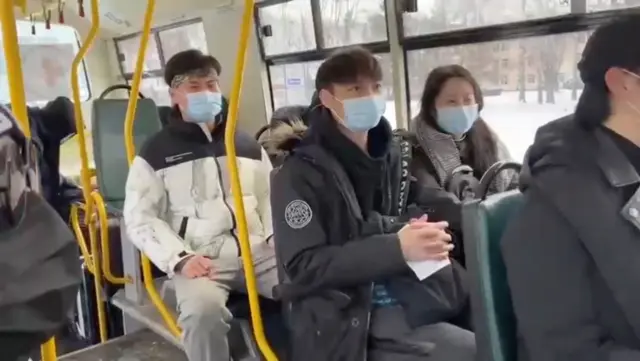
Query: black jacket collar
(192, 131)
(564, 142)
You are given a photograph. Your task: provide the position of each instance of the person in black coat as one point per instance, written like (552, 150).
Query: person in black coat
(343, 242)
(572, 251)
(39, 255)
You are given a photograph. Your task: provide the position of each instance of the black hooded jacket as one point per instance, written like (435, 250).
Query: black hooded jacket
(335, 215)
(572, 251)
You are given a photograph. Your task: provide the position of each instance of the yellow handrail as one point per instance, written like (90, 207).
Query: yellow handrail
(93, 259)
(97, 280)
(85, 176)
(14, 65)
(18, 100)
(147, 275)
(104, 236)
(82, 242)
(236, 187)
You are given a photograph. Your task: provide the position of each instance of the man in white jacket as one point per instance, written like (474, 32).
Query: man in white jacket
(179, 209)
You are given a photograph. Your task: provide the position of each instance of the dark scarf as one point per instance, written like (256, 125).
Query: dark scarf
(362, 168)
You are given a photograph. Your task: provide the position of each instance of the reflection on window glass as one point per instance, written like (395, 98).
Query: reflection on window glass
(600, 5)
(292, 27)
(46, 63)
(156, 89)
(435, 16)
(185, 37)
(129, 54)
(540, 85)
(294, 84)
(347, 22)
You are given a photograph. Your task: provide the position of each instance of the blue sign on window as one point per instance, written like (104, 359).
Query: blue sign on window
(294, 81)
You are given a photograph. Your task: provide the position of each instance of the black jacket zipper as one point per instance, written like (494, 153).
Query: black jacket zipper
(224, 200)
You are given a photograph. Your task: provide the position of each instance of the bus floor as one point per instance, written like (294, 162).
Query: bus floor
(143, 345)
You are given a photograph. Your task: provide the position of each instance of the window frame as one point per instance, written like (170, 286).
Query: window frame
(319, 53)
(577, 20)
(155, 32)
(85, 69)
(321, 50)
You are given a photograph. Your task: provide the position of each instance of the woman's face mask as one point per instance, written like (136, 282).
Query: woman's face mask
(203, 107)
(457, 120)
(362, 114)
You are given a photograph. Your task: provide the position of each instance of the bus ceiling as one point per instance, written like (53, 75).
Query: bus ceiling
(119, 17)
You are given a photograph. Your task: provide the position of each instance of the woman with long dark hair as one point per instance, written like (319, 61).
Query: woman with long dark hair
(449, 132)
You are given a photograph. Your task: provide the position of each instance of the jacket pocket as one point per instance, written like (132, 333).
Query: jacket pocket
(319, 327)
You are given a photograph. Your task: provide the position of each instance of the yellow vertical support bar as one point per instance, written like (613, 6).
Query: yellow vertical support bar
(85, 170)
(18, 100)
(48, 351)
(97, 280)
(147, 275)
(236, 188)
(85, 173)
(14, 65)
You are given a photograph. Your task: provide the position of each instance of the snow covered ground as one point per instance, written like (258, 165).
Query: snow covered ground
(514, 122)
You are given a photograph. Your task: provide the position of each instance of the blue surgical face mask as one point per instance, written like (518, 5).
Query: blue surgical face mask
(457, 120)
(363, 114)
(202, 107)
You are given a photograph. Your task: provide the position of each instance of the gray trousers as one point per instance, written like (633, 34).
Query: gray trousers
(202, 312)
(452, 343)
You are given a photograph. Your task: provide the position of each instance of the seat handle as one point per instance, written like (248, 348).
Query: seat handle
(118, 87)
(491, 173)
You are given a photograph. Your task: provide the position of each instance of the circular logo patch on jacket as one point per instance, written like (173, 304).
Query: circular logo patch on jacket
(298, 214)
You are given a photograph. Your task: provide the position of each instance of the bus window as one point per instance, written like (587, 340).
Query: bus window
(185, 37)
(526, 83)
(46, 63)
(163, 44)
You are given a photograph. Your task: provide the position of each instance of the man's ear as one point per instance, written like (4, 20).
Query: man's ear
(173, 94)
(325, 97)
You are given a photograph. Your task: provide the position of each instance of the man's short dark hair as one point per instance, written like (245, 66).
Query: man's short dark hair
(348, 65)
(189, 61)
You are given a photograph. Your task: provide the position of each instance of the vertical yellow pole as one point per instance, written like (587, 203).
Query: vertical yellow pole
(18, 101)
(48, 351)
(236, 188)
(85, 177)
(129, 145)
(14, 65)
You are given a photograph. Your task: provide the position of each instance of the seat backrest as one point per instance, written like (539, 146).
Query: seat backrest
(165, 114)
(108, 142)
(483, 223)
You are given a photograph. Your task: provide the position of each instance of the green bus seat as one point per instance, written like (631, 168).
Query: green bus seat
(483, 223)
(110, 155)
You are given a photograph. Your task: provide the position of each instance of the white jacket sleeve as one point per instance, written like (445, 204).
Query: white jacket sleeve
(144, 207)
(263, 193)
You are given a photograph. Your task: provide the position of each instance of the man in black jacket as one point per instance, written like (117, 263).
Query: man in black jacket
(572, 251)
(342, 252)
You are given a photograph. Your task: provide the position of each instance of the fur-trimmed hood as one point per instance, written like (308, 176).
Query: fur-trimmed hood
(280, 139)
